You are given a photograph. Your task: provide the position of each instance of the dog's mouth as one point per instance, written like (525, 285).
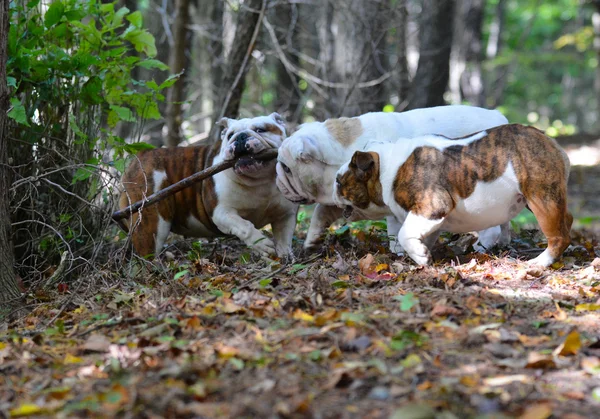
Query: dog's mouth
(248, 165)
(348, 209)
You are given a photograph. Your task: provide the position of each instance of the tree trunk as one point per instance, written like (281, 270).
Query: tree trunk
(287, 93)
(177, 65)
(238, 61)
(497, 81)
(435, 35)
(352, 37)
(403, 73)
(596, 24)
(9, 291)
(466, 81)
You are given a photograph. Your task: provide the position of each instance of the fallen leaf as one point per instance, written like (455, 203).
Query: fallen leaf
(574, 395)
(414, 411)
(587, 307)
(570, 346)
(72, 359)
(443, 310)
(505, 380)
(540, 361)
(301, 315)
(96, 343)
(540, 410)
(26, 409)
(364, 264)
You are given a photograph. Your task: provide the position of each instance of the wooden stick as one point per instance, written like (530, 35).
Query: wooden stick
(186, 183)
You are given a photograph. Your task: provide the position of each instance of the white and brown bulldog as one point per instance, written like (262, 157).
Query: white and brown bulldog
(237, 201)
(434, 183)
(310, 158)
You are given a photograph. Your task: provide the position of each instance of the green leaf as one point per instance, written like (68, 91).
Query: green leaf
(315, 355)
(353, 317)
(180, 274)
(142, 41)
(17, 112)
(151, 63)
(90, 92)
(135, 19)
(407, 301)
(297, 267)
(33, 3)
(340, 284)
(150, 111)
(134, 148)
(81, 174)
(264, 282)
(119, 164)
(125, 114)
(54, 13)
(73, 15)
(237, 363)
(170, 81)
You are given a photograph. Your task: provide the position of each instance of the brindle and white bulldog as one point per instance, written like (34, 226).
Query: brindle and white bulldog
(310, 158)
(237, 201)
(433, 183)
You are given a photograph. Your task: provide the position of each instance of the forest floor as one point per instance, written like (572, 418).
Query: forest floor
(211, 331)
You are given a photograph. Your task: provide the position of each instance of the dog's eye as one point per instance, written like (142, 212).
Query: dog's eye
(259, 130)
(285, 168)
(230, 135)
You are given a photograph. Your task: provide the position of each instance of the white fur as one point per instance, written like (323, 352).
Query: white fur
(544, 260)
(162, 231)
(158, 176)
(314, 157)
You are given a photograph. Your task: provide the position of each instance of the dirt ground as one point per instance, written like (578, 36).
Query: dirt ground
(354, 332)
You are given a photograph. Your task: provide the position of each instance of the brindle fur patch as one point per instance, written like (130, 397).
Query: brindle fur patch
(431, 181)
(345, 130)
(360, 184)
(178, 163)
(274, 129)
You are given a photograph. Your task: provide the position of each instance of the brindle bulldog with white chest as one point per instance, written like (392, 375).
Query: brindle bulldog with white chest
(433, 183)
(237, 201)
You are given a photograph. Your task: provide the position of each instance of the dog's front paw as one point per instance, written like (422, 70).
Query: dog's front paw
(263, 245)
(396, 248)
(421, 260)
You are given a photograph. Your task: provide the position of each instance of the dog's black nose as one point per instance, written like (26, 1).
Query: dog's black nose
(240, 144)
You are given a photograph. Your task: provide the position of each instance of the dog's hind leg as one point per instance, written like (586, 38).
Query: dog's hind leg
(555, 222)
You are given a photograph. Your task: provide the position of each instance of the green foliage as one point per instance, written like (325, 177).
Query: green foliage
(72, 69)
(77, 57)
(548, 63)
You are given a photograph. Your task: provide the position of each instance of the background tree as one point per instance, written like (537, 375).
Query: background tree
(435, 43)
(9, 292)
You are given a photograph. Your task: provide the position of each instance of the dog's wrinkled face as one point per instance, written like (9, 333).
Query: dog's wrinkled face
(303, 174)
(243, 138)
(357, 183)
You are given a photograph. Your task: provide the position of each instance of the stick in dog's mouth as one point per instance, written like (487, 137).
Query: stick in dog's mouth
(254, 162)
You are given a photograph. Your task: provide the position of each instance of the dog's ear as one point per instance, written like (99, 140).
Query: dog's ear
(364, 163)
(223, 122)
(278, 118)
(309, 151)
